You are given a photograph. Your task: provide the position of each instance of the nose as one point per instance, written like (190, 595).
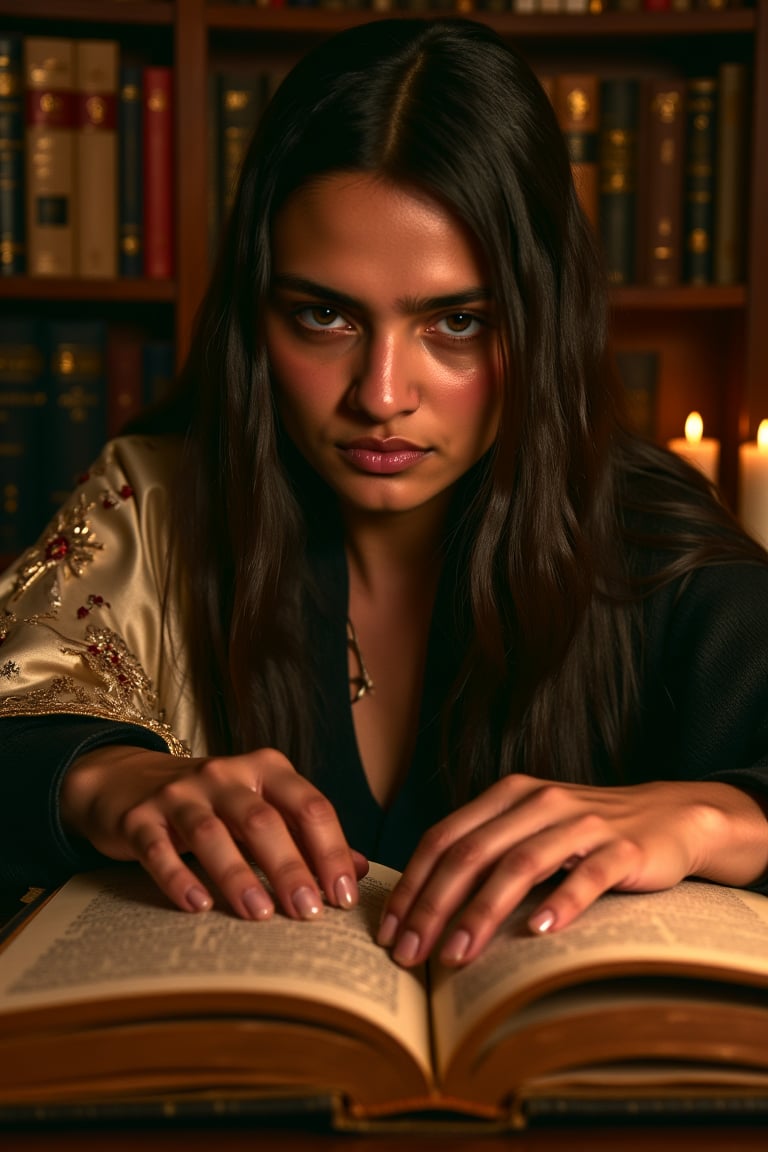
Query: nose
(384, 379)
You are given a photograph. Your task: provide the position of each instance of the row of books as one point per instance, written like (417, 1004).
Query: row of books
(661, 167)
(659, 163)
(86, 160)
(65, 387)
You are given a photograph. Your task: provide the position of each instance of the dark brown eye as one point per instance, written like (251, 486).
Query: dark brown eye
(316, 316)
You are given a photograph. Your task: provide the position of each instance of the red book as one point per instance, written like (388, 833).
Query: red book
(157, 123)
(125, 383)
(662, 143)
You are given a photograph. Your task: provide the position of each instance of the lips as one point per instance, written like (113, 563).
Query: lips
(383, 457)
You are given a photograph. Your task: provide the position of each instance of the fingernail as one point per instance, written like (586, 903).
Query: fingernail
(407, 947)
(456, 947)
(345, 892)
(257, 903)
(542, 920)
(198, 899)
(306, 903)
(387, 930)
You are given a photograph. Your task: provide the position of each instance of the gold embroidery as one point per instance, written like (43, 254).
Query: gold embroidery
(6, 619)
(107, 655)
(68, 545)
(9, 670)
(63, 696)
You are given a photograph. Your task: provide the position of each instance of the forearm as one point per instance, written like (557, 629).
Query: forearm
(35, 754)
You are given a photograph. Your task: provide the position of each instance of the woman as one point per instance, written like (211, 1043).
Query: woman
(387, 576)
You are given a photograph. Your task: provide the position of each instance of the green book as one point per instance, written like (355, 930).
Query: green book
(619, 111)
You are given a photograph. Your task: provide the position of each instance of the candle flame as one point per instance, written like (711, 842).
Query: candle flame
(762, 436)
(694, 428)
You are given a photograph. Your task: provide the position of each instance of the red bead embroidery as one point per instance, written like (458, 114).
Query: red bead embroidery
(57, 548)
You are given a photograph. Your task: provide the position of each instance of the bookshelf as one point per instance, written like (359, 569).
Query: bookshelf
(711, 340)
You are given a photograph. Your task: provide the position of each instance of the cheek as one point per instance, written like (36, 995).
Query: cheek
(476, 405)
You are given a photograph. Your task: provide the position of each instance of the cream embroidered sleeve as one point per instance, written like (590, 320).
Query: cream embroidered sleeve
(81, 626)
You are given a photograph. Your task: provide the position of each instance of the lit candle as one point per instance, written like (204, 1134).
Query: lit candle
(698, 449)
(753, 485)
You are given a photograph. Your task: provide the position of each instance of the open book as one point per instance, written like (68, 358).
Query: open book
(108, 996)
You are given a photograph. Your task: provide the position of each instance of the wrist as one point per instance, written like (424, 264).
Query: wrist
(731, 832)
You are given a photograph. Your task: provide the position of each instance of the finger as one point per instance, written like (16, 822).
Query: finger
(199, 830)
(312, 821)
(154, 850)
(475, 817)
(514, 872)
(257, 826)
(609, 867)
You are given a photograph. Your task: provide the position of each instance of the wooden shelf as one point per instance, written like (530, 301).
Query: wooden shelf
(96, 11)
(685, 298)
(523, 25)
(39, 288)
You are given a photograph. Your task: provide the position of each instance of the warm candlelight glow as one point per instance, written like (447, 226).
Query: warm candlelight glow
(694, 428)
(700, 450)
(753, 485)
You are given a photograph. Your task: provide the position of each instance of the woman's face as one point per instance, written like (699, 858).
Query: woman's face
(382, 340)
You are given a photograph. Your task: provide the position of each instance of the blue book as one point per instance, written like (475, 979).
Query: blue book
(158, 370)
(76, 424)
(23, 399)
(13, 260)
(130, 173)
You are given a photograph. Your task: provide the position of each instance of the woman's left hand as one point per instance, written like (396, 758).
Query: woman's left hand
(488, 855)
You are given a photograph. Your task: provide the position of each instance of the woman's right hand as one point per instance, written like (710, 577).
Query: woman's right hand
(133, 804)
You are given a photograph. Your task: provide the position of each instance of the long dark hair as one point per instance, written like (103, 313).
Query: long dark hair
(541, 604)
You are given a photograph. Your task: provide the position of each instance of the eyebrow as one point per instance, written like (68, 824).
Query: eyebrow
(407, 304)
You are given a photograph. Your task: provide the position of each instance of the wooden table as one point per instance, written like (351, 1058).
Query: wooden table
(677, 1138)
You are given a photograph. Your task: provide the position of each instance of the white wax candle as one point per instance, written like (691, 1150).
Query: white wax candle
(753, 485)
(702, 451)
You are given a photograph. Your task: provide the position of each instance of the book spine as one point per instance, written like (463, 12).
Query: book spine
(13, 260)
(97, 65)
(49, 78)
(130, 181)
(77, 410)
(619, 106)
(638, 371)
(577, 105)
(125, 393)
(731, 175)
(663, 142)
(157, 134)
(241, 98)
(701, 140)
(157, 370)
(23, 396)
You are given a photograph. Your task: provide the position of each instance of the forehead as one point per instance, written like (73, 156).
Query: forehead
(353, 224)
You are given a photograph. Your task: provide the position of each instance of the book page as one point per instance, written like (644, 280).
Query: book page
(693, 924)
(111, 934)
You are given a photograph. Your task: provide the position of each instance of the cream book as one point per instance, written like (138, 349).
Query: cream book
(111, 998)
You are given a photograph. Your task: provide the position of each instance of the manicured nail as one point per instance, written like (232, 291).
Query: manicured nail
(198, 899)
(456, 947)
(306, 903)
(345, 892)
(257, 903)
(387, 930)
(407, 947)
(542, 920)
